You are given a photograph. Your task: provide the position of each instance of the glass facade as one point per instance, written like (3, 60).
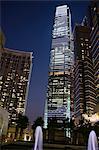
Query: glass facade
(94, 39)
(15, 71)
(84, 85)
(61, 60)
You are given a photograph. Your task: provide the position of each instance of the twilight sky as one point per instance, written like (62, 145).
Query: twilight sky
(27, 26)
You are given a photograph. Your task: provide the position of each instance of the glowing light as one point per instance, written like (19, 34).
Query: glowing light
(93, 118)
(25, 137)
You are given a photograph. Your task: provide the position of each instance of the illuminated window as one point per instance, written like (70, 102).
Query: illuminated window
(87, 53)
(82, 51)
(82, 57)
(5, 94)
(94, 8)
(86, 40)
(20, 98)
(13, 90)
(11, 104)
(13, 95)
(2, 100)
(8, 79)
(18, 94)
(6, 85)
(1, 77)
(80, 75)
(92, 28)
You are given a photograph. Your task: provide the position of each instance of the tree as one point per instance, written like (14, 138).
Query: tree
(22, 123)
(38, 122)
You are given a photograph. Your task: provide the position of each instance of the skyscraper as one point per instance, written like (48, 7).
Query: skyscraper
(57, 104)
(84, 86)
(15, 70)
(94, 38)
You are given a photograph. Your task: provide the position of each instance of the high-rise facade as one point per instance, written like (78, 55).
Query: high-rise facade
(84, 86)
(72, 93)
(15, 69)
(94, 38)
(57, 104)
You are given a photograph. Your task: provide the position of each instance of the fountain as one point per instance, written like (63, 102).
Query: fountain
(38, 138)
(92, 141)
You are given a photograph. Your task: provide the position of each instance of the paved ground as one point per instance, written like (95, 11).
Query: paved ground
(29, 146)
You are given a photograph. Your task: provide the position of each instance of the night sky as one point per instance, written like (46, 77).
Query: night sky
(27, 26)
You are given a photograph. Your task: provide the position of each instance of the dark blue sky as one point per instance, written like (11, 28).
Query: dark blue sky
(27, 26)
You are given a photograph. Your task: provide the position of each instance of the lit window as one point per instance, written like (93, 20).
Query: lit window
(82, 44)
(8, 79)
(1, 78)
(82, 51)
(82, 57)
(80, 75)
(1, 82)
(18, 94)
(13, 90)
(11, 104)
(87, 53)
(92, 28)
(13, 95)
(2, 100)
(21, 77)
(94, 8)
(6, 85)
(86, 39)
(5, 94)
(20, 98)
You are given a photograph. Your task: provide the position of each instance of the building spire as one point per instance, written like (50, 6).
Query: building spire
(2, 39)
